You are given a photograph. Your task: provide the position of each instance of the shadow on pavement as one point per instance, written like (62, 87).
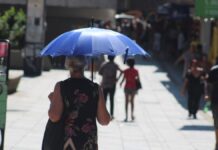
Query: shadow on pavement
(16, 110)
(170, 86)
(145, 61)
(197, 128)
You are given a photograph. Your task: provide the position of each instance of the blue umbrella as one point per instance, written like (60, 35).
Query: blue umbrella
(92, 42)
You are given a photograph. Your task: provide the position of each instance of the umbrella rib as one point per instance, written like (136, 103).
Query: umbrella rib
(113, 48)
(111, 45)
(75, 45)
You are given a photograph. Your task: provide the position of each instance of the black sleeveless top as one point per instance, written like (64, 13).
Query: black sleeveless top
(81, 99)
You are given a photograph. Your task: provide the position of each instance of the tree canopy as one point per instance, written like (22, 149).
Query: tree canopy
(12, 26)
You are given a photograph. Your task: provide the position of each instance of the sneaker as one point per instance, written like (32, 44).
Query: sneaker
(133, 118)
(189, 115)
(194, 116)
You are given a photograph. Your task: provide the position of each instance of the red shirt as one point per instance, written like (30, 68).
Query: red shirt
(130, 75)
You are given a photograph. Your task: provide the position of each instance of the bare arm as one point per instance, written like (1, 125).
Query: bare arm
(56, 105)
(184, 87)
(103, 116)
(208, 87)
(122, 81)
(179, 59)
(138, 75)
(121, 72)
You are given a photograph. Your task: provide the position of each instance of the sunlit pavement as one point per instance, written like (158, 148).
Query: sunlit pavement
(161, 121)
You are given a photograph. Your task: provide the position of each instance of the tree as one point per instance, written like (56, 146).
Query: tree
(12, 27)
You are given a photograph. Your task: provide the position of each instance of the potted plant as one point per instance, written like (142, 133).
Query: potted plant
(12, 27)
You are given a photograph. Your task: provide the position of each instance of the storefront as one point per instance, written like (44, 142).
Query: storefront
(207, 11)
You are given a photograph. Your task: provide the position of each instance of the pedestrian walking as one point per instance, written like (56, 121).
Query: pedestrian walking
(130, 75)
(212, 95)
(75, 104)
(108, 71)
(187, 57)
(194, 86)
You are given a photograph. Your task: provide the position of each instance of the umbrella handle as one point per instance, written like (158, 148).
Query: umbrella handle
(126, 54)
(92, 68)
(92, 22)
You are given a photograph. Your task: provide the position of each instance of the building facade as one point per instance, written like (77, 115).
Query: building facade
(63, 15)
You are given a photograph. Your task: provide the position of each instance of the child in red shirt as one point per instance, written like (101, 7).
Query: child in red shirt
(130, 76)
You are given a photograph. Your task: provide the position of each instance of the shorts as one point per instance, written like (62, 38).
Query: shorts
(215, 115)
(130, 91)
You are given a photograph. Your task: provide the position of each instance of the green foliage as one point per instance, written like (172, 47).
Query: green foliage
(12, 26)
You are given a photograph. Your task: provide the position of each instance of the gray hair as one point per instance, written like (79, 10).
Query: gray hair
(75, 63)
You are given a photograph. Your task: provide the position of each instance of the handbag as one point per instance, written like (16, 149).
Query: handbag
(138, 84)
(53, 138)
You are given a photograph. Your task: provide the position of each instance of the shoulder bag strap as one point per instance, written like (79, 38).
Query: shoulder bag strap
(96, 92)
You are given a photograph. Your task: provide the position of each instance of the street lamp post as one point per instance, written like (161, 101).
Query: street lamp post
(35, 35)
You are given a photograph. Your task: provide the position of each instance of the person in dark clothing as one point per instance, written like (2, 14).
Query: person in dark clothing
(85, 104)
(194, 86)
(212, 95)
(108, 71)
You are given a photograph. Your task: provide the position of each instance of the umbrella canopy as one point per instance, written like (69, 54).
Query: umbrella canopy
(92, 42)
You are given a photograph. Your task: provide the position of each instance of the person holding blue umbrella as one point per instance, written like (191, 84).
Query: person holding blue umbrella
(76, 102)
(80, 95)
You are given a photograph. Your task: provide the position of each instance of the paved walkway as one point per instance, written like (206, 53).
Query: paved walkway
(161, 122)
